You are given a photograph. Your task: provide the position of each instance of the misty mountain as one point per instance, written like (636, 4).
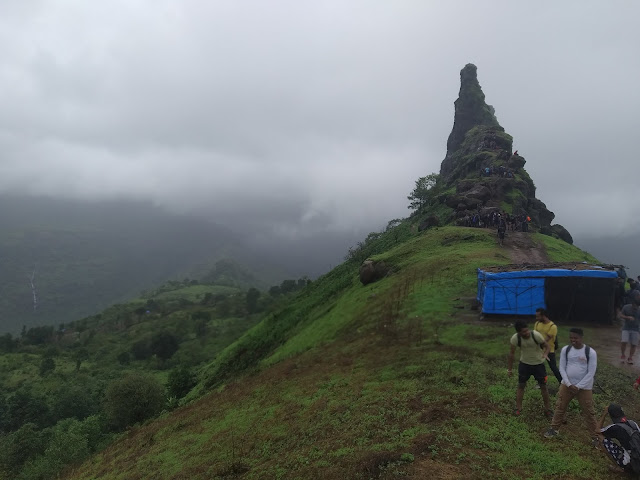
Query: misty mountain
(83, 257)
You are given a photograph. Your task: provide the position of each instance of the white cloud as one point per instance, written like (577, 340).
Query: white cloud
(298, 116)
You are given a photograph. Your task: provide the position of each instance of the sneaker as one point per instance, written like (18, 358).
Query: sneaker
(551, 433)
(537, 386)
(630, 361)
(622, 358)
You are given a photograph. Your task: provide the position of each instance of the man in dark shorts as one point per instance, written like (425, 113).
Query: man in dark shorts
(534, 351)
(619, 451)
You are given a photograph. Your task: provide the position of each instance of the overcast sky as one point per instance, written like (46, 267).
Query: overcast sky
(302, 117)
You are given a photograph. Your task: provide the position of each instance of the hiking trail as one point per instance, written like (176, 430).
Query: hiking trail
(523, 249)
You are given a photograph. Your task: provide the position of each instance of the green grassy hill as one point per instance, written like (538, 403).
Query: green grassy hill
(391, 380)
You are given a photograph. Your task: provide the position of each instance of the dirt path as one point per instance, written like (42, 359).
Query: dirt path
(606, 341)
(523, 249)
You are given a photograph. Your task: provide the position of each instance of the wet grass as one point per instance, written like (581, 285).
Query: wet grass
(389, 380)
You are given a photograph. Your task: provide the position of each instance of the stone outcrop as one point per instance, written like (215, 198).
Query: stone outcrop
(470, 111)
(562, 233)
(480, 172)
(372, 271)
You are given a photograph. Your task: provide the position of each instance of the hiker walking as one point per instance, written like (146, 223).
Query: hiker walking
(630, 315)
(533, 352)
(502, 228)
(549, 331)
(624, 452)
(578, 363)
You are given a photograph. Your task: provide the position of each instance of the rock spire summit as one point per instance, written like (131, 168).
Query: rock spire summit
(470, 110)
(481, 175)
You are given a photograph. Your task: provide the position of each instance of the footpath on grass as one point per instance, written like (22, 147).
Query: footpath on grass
(522, 248)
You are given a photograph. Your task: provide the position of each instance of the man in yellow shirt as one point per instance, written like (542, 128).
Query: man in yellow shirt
(549, 331)
(533, 352)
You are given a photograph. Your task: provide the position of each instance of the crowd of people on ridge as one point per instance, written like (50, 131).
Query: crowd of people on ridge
(497, 219)
(574, 369)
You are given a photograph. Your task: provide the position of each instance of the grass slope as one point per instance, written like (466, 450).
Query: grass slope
(388, 380)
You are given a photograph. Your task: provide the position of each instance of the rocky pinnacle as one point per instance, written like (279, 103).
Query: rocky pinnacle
(470, 110)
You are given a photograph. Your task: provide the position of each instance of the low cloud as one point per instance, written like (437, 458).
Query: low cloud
(293, 119)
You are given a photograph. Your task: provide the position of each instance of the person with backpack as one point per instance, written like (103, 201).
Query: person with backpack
(533, 352)
(625, 450)
(578, 363)
(549, 331)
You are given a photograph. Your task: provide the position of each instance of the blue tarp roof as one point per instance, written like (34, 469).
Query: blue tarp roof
(521, 292)
(550, 272)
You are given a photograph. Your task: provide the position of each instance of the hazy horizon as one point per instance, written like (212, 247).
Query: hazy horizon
(290, 121)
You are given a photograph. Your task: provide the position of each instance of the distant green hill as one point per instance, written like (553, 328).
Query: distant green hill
(85, 257)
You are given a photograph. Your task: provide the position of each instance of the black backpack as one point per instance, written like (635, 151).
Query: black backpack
(587, 351)
(634, 440)
(534, 339)
(555, 340)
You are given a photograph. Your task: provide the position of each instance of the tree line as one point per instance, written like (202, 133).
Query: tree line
(82, 382)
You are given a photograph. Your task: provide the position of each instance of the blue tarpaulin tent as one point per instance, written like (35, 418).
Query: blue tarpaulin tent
(520, 292)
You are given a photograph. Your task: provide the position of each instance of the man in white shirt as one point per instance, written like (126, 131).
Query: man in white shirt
(578, 363)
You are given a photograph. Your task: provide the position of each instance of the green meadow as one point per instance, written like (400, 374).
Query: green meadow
(396, 379)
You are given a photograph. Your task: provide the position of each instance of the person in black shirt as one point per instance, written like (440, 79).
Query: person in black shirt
(616, 438)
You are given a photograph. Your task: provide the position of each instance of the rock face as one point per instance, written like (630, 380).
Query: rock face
(562, 233)
(470, 111)
(480, 172)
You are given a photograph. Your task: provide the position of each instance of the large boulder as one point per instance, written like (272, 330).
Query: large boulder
(546, 230)
(480, 192)
(452, 201)
(516, 162)
(465, 185)
(562, 233)
(540, 212)
(462, 202)
(372, 271)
